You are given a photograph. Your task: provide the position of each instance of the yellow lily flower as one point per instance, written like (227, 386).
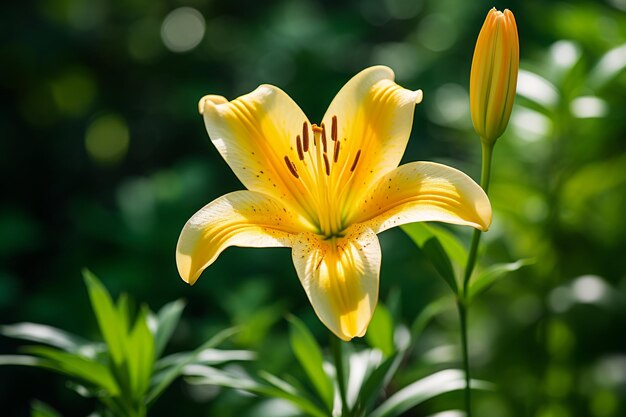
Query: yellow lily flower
(493, 78)
(325, 191)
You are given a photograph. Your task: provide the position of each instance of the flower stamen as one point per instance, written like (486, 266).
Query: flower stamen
(305, 136)
(333, 129)
(356, 159)
(291, 166)
(326, 165)
(299, 148)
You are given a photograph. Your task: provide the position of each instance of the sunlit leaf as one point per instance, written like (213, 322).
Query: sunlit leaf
(278, 388)
(309, 354)
(380, 331)
(608, 67)
(76, 366)
(107, 316)
(161, 381)
(429, 243)
(23, 360)
(375, 382)
(167, 320)
(420, 391)
(50, 336)
(433, 309)
(483, 281)
(40, 409)
(140, 355)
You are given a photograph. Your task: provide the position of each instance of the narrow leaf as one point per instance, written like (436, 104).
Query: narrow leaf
(380, 331)
(420, 232)
(376, 382)
(167, 320)
(309, 354)
(279, 388)
(107, 317)
(420, 391)
(48, 335)
(491, 275)
(76, 366)
(426, 239)
(429, 312)
(161, 381)
(140, 355)
(40, 409)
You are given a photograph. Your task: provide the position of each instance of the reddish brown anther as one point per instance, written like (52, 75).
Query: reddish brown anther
(305, 137)
(336, 151)
(356, 159)
(291, 166)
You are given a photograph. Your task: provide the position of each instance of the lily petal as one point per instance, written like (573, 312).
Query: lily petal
(425, 191)
(374, 117)
(241, 218)
(340, 276)
(254, 133)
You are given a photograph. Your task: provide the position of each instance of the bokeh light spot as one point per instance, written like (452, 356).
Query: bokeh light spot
(604, 403)
(402, 9)
(73, 92)
(536, 88)
(437, 32)
(589, 107)
(449, 107)
(182, 29)
(565, 53)
(107, 139)
(590, 289)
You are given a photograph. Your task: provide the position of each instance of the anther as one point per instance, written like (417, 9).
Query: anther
(336, 151)
(305, 136)
(333, 129)
(291, 167)
(324, 137)
(356, 159)
(299, 148)
(326, 164)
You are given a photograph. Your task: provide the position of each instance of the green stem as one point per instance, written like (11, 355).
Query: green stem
(341, 382)
(463, 301)
(463, 321)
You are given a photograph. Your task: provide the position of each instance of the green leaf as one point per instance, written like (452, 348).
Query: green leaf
(309, 354)
(161, 381)
(420, 232)
(380, 331)
(278, 388)
(111, 326)
(433, 309)
(140, 355)
(167, 320)
(52, 336)
(427, 238)
(420, 391)
(376, 382)
(40, 409)
(76, 366)
(608, 67)
(24, 360)
(490, 275)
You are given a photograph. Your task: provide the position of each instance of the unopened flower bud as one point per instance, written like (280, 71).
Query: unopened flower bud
(494, 75)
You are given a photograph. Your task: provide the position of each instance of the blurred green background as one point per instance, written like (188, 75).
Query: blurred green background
(103, 158)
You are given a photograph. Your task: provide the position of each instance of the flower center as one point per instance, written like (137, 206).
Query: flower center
(324, 174)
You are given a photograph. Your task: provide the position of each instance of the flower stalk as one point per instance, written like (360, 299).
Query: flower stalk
(493, 82)
(340, 373)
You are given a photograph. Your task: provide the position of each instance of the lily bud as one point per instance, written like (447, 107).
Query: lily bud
(493, 78)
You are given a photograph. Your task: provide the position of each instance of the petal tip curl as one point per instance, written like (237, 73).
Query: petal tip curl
(210, 100)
